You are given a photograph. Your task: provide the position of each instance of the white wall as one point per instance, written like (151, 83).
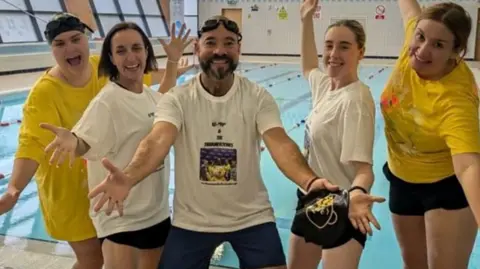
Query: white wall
(29, 61)
(265, 33)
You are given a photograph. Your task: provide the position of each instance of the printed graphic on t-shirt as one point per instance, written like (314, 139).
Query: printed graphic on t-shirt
(306, 142)
(402, 120)
(218, 164)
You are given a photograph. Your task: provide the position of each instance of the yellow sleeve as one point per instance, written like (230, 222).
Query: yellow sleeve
(95, 59)
(39, 108)
(147, 79)
(460, 123)
(409, 32)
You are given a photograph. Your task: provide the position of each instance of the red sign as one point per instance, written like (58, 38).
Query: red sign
(380, 12)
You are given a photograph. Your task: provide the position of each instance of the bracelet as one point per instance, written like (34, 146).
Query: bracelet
(362, 189)
(173, 62)
(310, 182)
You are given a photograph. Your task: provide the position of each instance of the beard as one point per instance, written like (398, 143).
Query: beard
(220, 72)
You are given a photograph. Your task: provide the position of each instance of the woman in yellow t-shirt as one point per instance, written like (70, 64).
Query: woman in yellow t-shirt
(430, 106)
(59, 97)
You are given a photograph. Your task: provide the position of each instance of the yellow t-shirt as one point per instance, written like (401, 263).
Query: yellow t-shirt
(426, 122)
(62, 190)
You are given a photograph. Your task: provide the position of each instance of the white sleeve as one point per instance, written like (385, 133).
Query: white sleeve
(96, 128)
(169, 110)
(268, 113)
(318, 82)
(358, 132)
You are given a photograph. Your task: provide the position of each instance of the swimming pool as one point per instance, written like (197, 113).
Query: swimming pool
(292, 94)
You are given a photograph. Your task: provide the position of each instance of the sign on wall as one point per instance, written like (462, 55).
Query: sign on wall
(380, 12)
(282, 13)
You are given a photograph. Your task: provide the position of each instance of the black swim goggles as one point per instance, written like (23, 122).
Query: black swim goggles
(62, 23)
(212, 24)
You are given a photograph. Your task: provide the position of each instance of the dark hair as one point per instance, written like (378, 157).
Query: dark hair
(455, 18)
(355, 27)
(107, 68)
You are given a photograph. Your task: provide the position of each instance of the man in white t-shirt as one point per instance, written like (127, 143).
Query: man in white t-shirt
(216, 122)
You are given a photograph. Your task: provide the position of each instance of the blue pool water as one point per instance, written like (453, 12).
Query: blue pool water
(292, 94)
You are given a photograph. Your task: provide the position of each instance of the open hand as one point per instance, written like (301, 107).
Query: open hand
(65, 143)
(360, 211)
(308, 8)
(114, 189)
(174, 49)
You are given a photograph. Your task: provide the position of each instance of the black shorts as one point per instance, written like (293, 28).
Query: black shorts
(350, 232)
(411, 199)
(148, 238)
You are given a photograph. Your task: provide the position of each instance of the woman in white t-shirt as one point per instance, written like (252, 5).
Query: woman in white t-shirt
(339, 140)
(112, 126)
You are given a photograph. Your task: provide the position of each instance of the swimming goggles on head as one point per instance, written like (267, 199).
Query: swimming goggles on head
(212, 24)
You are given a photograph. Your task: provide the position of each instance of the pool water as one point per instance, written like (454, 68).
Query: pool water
(291, 92)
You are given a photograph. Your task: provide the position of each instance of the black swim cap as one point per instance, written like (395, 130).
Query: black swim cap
(324, 217)
(61, 23)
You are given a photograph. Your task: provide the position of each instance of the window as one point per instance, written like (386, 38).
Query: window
(138, 20)
(157, 27)
(16, 28)
(150, 7)
(129, 7)
(192, 24)
(190, 7)
(50, 5)
(42, 20)
(105, 6)
(15, 5)
(108, 21)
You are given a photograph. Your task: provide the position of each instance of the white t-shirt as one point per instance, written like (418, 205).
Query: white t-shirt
(218, 185)
(113, 125)
(340, 128)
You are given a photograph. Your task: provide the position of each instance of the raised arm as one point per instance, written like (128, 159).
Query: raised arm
(174, 50)
(409, 9)
(308, 52)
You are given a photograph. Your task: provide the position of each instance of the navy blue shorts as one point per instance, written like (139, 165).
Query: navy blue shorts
(256, 247)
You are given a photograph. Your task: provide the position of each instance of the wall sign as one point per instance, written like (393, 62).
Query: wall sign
(232, 2)
(380, 12)
(282, 14)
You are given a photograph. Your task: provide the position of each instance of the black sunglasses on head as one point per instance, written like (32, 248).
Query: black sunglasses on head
(213, 24)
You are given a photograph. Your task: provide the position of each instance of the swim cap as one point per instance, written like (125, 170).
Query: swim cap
(61, 23)
(324, 217)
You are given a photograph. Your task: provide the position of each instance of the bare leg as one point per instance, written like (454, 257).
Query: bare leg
(88, 253)
(410, 232)
(451, 235)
